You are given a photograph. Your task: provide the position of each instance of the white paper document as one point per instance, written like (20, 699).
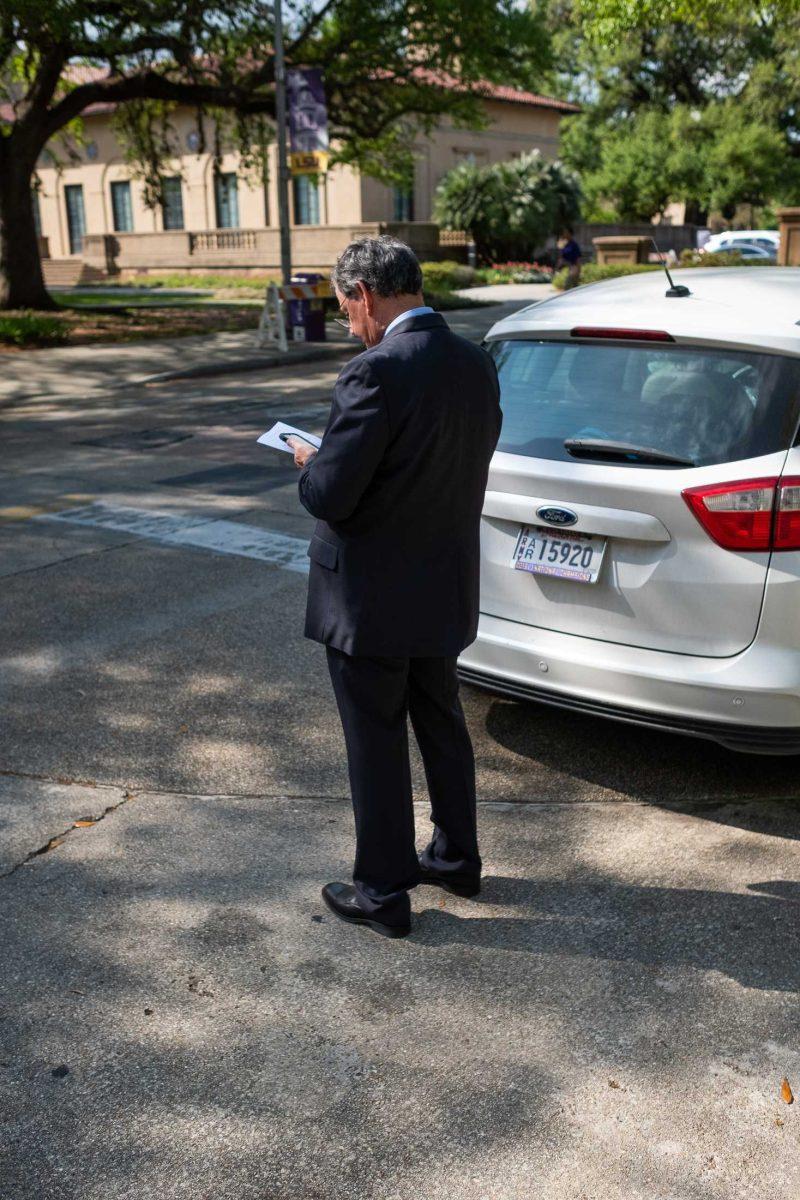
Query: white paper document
(278, 436)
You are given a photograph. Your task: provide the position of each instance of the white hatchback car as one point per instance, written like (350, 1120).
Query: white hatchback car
(641, 529)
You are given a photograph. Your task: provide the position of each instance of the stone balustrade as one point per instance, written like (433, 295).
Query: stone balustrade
(313, 246)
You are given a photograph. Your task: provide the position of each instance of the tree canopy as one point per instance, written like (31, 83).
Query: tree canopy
(607, 20)
(384, 65)
(681, 102)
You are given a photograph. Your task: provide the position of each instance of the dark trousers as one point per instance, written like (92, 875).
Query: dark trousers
(376, 696)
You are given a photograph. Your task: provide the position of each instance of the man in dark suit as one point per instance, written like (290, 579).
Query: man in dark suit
(397, 487)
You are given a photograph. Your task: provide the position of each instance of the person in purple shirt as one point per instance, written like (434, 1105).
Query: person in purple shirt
(569, 256)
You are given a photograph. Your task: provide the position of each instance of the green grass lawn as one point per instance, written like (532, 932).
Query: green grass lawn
(210, 281)
(109, 298)
(157, 309)
(84, 323)
(96, 316)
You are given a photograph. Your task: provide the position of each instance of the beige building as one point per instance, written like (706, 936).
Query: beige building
(92, 218)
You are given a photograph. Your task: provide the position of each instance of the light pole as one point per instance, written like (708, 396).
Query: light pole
(283, 166)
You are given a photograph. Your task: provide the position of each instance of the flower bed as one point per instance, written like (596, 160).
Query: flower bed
(517, 272)
(448, 276)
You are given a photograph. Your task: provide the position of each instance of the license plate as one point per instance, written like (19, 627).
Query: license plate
(559, 552)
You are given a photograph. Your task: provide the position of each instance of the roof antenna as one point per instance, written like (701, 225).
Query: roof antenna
(674, 289)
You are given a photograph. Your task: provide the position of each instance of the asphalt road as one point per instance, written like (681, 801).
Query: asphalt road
(182, 1019)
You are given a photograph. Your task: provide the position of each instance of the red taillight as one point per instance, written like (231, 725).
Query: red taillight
(751, 514)
(737, 516)
(786, 535)
(623, 335)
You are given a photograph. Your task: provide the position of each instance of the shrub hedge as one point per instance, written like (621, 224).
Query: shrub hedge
(31, 329)
(724, 258)
(447, 275)
(594, 273)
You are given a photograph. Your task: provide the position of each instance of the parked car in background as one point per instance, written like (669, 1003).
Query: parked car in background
(748, 250)
(641, 528)
(768, 239)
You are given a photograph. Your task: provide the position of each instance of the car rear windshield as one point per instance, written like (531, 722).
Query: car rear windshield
(706, 406)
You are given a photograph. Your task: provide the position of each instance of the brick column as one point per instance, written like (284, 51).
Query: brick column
(789, 249)
(621, 249)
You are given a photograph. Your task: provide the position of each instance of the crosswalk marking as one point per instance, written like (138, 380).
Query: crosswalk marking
(202, 533)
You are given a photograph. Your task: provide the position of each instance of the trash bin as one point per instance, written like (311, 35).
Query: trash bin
(306, 318)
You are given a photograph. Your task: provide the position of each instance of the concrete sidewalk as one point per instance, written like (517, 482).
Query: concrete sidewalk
(610, 1020)
(517, 293)
(183, 1020)
(76, 370)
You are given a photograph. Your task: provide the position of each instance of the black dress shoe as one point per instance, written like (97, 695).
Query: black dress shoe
(457, 884)
(342, 900)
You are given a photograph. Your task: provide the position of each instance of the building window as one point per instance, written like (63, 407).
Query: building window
(172, 202)
(121, 208)
(37, 216)
(306, 200)
(76, 216)
(226, 195)
(465, 154)
(403, 204)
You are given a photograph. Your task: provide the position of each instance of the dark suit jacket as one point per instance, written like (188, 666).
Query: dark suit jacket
(398, 488)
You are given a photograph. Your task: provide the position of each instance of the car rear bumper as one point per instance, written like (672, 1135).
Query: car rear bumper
(749, 702)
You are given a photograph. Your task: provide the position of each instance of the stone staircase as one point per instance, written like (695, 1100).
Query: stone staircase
(69, 272)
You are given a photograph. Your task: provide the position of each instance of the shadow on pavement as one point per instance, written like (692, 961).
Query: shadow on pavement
(661, 927)
(638, 763)
(230, 1039)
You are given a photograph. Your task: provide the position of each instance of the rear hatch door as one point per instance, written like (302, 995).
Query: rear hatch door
(664, 583)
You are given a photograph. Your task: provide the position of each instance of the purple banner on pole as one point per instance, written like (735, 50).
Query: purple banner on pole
(308, 114)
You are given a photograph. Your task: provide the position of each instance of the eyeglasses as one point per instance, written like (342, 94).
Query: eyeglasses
(344, 324)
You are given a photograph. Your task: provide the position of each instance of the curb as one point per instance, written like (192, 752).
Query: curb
(254, 363)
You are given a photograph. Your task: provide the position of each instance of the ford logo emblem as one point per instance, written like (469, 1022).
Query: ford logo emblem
(557, 516)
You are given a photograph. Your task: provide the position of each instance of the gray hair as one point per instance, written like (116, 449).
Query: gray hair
(386, 265)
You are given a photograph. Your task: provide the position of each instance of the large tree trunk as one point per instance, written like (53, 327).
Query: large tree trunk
(21, 280)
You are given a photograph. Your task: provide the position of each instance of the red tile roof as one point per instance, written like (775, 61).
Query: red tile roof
(495, 91)
(499, 91)
(79, 74)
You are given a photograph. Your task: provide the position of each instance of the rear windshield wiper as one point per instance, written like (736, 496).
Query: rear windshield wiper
(598, 448)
